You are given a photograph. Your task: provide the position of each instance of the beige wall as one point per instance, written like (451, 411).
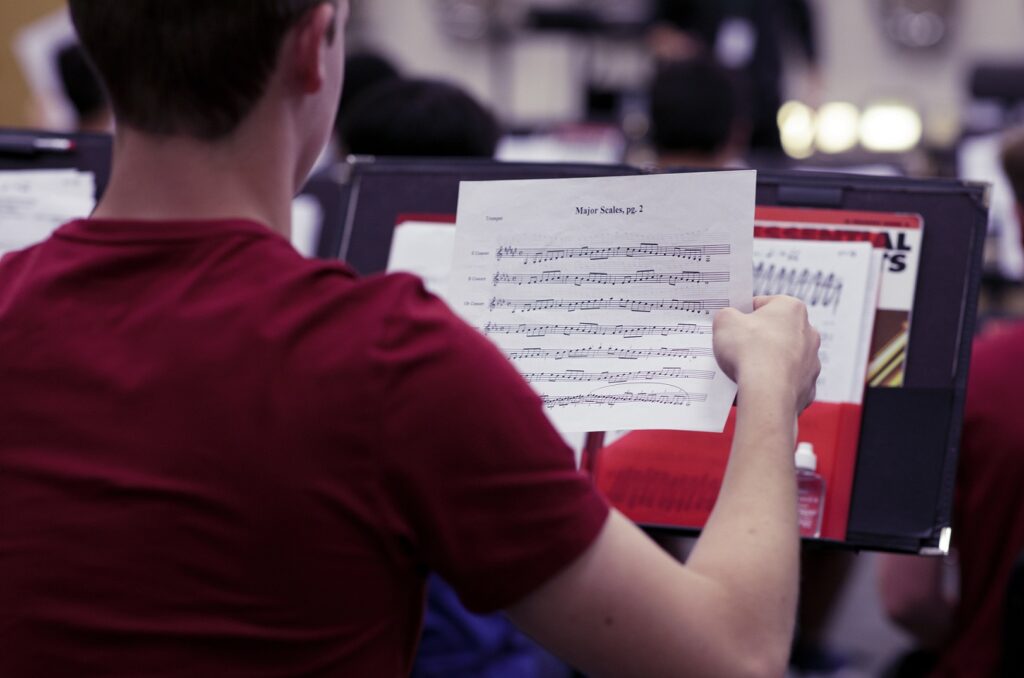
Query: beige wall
(858, 64)
(14, 96)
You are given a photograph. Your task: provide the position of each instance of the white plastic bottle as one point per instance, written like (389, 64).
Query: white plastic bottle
(811, 491)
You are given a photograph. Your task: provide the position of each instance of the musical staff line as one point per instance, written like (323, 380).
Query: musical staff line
(814, 288)
(593, 329)
(618, 377)
(633, 305)
(627, 398)
(536, 255)
(640, 277)
(616, 353)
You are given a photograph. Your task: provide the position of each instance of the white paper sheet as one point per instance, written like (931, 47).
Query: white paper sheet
(33, 204)
(839, 283)
(602, 291)
(424, 249)
(307, 222)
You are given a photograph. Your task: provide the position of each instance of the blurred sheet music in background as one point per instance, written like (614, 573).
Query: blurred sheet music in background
(35, 203)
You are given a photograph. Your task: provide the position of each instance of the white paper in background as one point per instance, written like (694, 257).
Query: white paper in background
(602, 291)
(36, 47)
(837, 283)
(307, 222)
(424, 249)
(34, 204)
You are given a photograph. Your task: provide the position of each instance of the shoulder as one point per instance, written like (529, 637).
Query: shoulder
(997, 361)
(992, 425)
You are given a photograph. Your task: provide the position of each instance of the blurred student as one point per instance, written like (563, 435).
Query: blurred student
(83, 89)
(218, 458)
(419, 118)
(962, 634)
(745, 36)
(363, 72)
(696, 119)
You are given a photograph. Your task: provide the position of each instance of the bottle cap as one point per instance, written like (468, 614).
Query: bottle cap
(805, 457)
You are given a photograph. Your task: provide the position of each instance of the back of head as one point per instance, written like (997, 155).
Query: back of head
(1013, 163)
(420, 118)
(185, 67)
(694, 108)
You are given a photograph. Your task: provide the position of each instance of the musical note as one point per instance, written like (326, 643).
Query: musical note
(640, 277)
(617, 377)
(633, 305)
(628, 398)
(620, 353)
(536, 255)
(814, 288)
(625, 331)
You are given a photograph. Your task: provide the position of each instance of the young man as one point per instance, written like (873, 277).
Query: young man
(217, 458)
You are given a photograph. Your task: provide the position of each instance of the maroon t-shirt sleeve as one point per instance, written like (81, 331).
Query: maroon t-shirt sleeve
(483, 488)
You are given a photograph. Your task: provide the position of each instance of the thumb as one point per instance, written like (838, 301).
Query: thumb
(726, 316)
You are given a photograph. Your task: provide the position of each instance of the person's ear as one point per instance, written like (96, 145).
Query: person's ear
(312, 36)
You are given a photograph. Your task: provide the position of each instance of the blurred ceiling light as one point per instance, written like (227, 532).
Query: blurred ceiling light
(796, 127)
(838, 127)
(890, 128)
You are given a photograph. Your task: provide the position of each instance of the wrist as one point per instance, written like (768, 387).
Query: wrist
(770, 394)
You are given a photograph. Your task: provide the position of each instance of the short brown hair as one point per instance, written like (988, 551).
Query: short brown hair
(192, 67)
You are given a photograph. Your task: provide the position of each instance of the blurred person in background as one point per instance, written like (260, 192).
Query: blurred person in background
(745, 36)
(961, 634)
(696, 116)
(363, 71)
(419, 118)
(85, 92)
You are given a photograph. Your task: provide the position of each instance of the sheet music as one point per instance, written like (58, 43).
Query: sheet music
(35, 203)
(839, 283)
(602, 291)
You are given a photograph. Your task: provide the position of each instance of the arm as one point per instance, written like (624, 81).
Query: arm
(914, 597)
(626, 608)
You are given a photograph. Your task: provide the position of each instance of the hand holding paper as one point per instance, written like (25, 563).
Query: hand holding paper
(774, 346)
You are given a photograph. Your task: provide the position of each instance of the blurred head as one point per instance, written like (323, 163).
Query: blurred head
(1013, 163)
(363, 72)
(695, 111)
(199, 68)
(83, 89)
(419, 118)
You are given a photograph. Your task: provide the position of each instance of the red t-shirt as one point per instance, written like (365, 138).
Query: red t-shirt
(988, 512)
(220, 459)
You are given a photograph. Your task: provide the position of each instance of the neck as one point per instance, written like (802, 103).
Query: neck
(246, 176)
